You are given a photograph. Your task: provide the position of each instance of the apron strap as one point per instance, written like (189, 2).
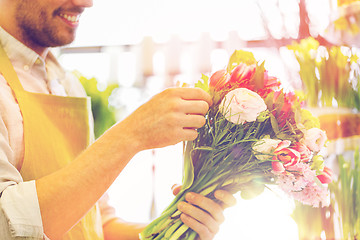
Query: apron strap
(7, 70)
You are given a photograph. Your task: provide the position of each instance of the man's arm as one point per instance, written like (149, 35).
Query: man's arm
(168, 118)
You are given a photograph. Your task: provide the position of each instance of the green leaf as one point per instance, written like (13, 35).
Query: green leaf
(203, 83)
(205, 148)
(274, 123)
(188, 171)
(240, 56)
(259, 76)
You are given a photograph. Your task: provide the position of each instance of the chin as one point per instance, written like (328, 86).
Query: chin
(62, 41)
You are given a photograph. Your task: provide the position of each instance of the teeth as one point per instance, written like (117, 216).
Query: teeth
(73, 18)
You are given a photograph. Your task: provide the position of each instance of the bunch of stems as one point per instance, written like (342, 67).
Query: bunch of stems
(220, 158)
(346, 197)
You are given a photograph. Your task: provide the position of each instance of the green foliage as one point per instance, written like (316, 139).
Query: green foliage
(308, 120)
(347, 196)
(309, 221)
(328, 73)
(203, 83)
(104, 115)
(259, 76)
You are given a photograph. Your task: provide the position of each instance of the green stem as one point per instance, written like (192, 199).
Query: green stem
(179, 232)
(192, 235)
(172, 229)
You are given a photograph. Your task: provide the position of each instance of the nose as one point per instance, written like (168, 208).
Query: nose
(83, 3)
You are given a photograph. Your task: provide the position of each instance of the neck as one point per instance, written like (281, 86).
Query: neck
(42, 51)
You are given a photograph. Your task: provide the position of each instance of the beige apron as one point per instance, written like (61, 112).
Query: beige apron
(56, 130)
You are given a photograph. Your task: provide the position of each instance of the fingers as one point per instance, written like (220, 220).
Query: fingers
(170, 117)
(193, 121)
(195, 94)
(191, 100)
(195, 107)
(204, 215)
(201, 214)
(214, 209)
(199, 228)
(227, 199)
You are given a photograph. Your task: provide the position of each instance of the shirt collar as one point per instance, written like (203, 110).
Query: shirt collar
(18, 53)
(17, 50)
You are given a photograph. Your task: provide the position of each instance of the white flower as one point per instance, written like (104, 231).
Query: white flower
(265, 147)
(314, 139)
(242, 105)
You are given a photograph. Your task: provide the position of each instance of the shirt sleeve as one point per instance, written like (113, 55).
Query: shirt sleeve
(19, 208)
(20, 213)
(107, 211)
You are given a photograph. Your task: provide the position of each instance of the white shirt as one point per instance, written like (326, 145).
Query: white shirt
(19, 208)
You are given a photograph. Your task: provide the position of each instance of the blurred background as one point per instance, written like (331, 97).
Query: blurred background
(127, 51)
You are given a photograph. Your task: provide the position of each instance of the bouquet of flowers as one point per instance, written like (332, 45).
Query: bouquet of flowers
(255, 134)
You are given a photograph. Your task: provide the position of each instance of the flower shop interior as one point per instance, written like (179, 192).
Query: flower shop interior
(127, 51)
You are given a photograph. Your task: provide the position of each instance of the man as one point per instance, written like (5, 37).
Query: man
(51, 177)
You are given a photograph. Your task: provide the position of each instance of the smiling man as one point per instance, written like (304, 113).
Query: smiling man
(53, 175)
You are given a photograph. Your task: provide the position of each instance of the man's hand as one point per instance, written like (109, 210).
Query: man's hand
(168, 118)
(202, 214)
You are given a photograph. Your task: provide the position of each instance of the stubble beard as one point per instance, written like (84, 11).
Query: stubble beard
(39, 29)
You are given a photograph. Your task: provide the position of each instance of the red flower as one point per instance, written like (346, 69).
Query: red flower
(283, 103)
(325, 176)
(270, 81)
(241, 75)
(271, 84)
(219, 79)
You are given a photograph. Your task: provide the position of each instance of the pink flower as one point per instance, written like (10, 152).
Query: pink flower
(284, 157)
(313, 195)
(299, 184)
(219, 79)
(314, 139)
(326, 176)
(242, 105)
(305, 153)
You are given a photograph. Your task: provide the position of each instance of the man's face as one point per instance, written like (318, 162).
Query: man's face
(49, 23)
